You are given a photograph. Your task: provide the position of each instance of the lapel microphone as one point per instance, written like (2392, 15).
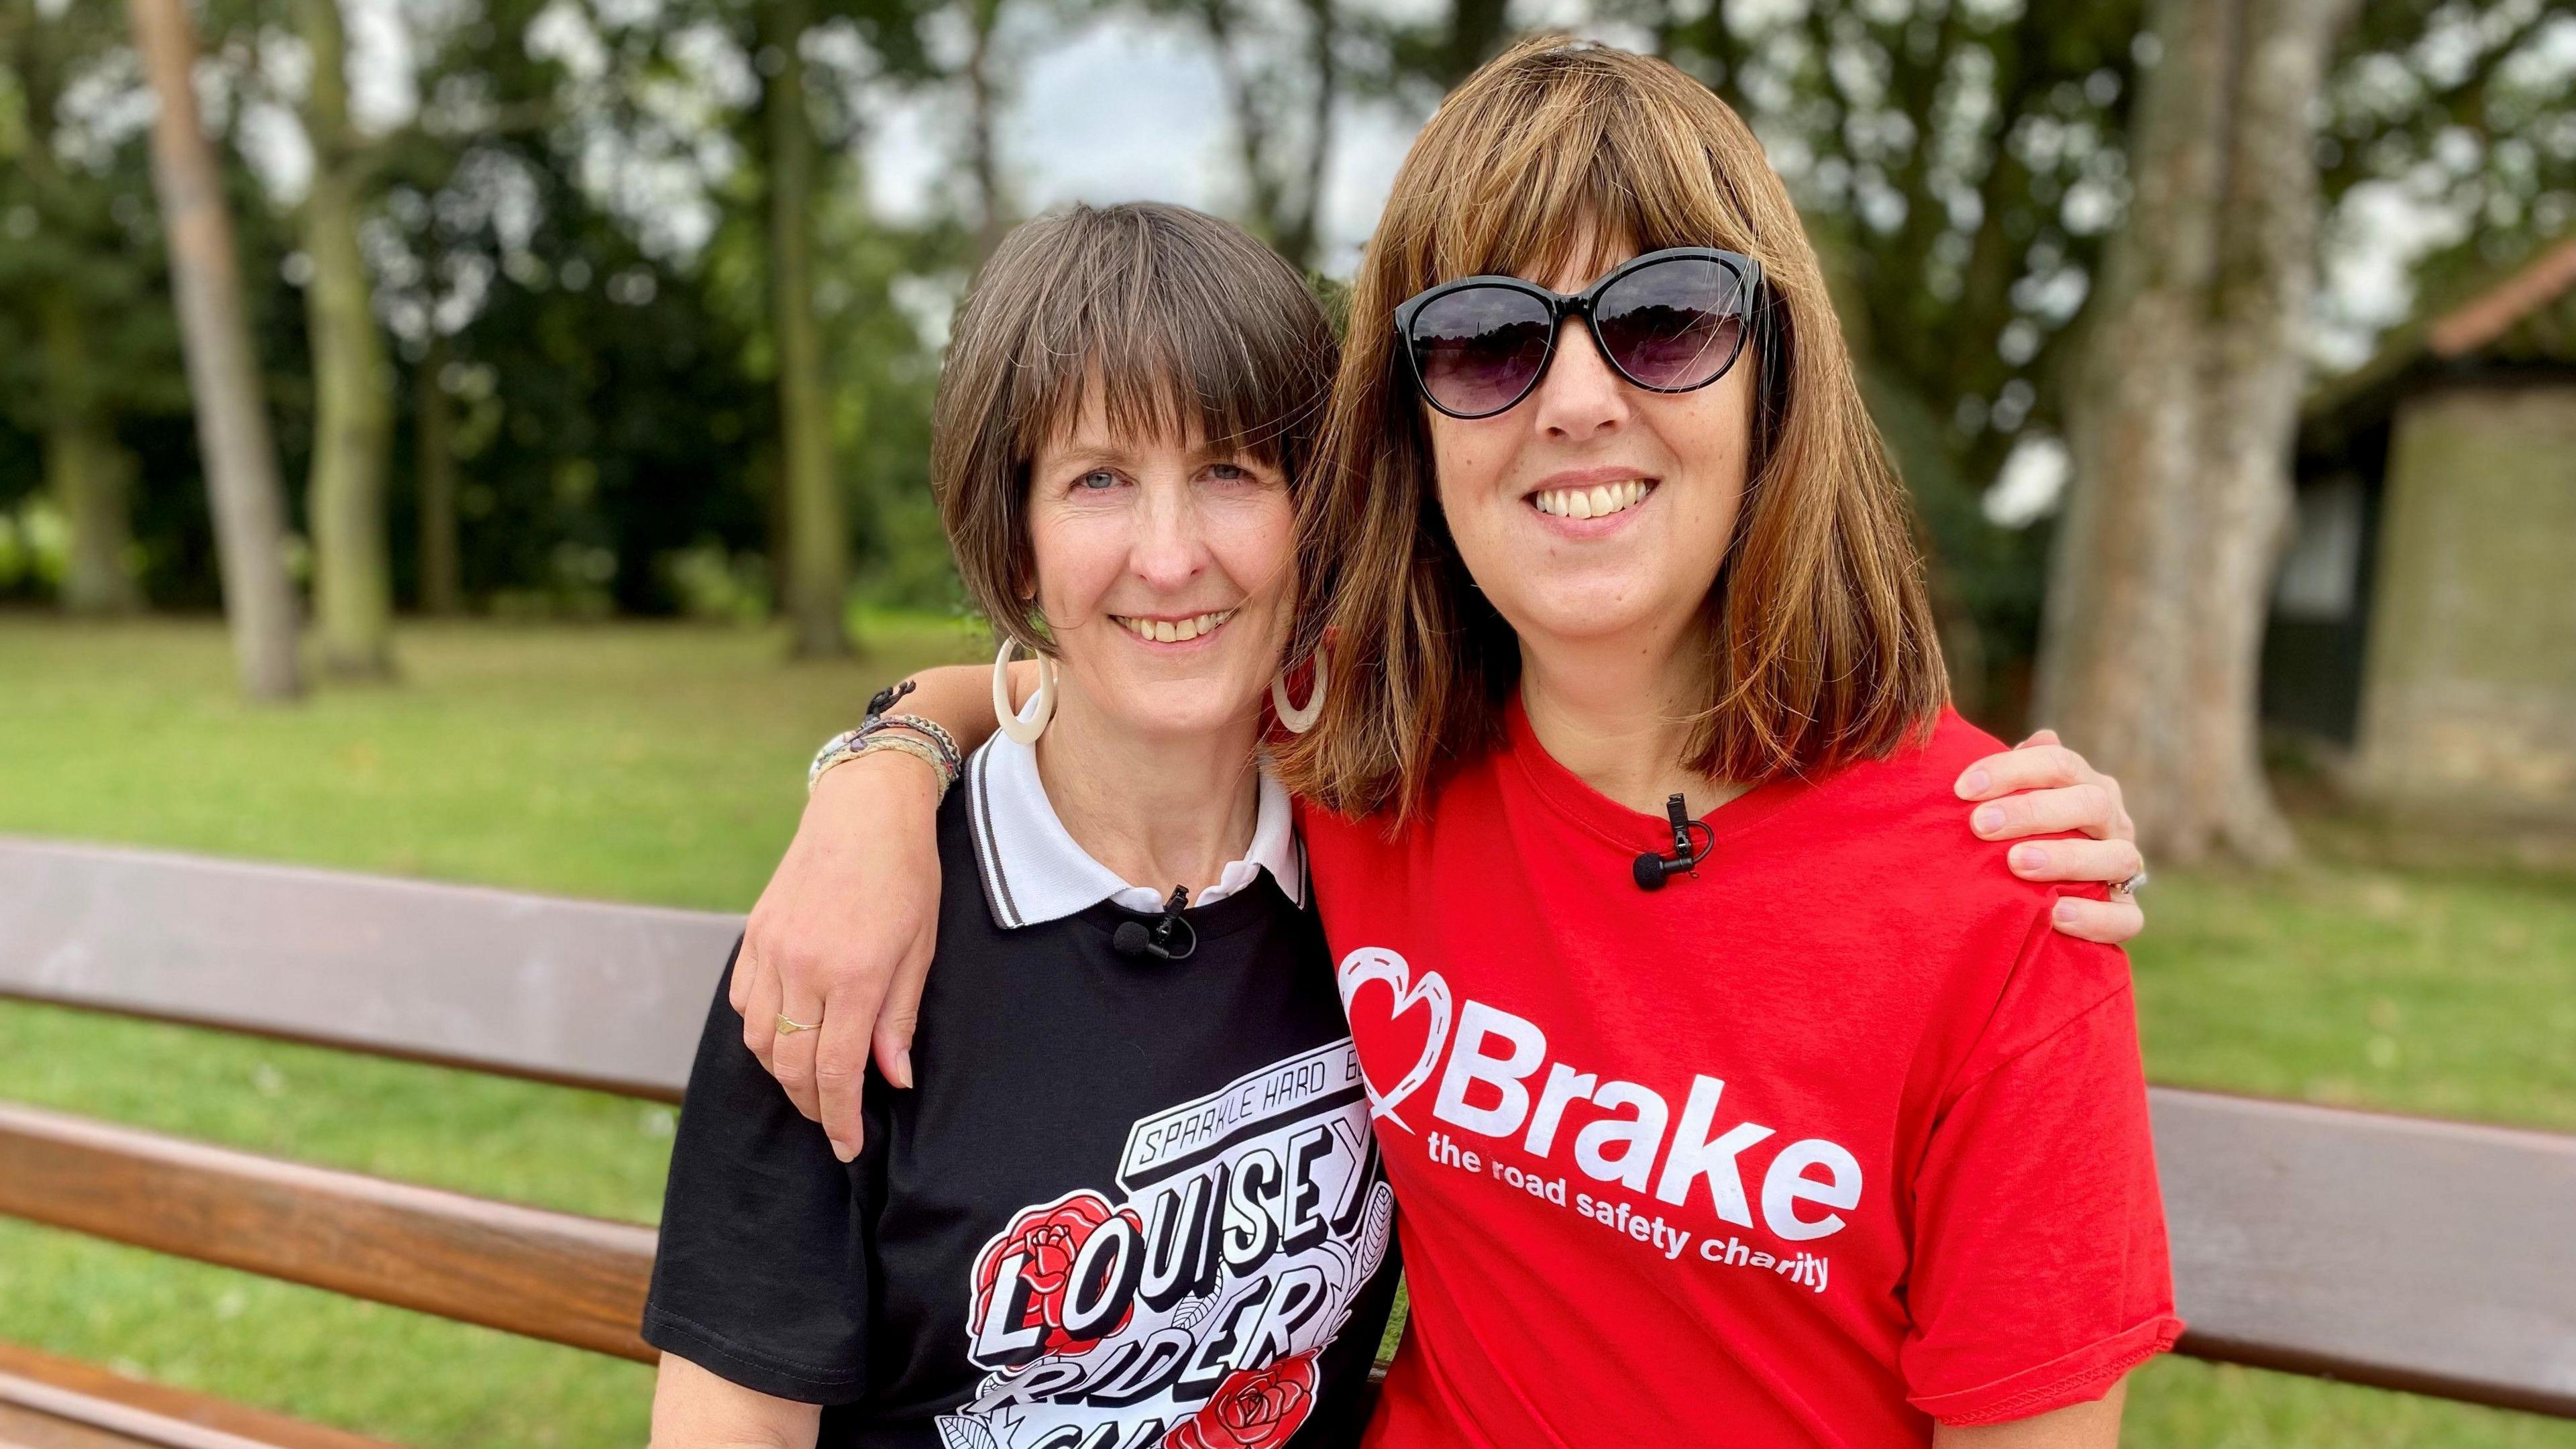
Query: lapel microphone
(1652, 870)
(1135, 938)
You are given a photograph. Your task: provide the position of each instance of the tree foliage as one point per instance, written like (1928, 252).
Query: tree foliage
(567, 234)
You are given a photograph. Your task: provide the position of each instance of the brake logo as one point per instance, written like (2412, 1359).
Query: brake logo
(1616, 1132)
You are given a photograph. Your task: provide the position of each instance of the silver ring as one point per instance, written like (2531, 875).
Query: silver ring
(2132, 885)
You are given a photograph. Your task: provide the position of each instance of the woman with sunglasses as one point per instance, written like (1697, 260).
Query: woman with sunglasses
(1732, 1090)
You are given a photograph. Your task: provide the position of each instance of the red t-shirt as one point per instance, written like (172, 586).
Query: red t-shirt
(1835, 1139)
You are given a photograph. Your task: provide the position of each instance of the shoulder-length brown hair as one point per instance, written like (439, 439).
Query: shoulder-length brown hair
(1824, 642)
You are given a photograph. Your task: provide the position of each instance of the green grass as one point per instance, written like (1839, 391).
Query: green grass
(355, 1364)
(2442, 993)
(640, 762)
(661, 764)
(645, 763)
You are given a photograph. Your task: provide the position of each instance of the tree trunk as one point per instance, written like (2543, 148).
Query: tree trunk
(1303, 235)
(434, 458)
(2181, 421)
(1265, 199)
(2111, 671)
(2266, 275)
(223, 373)
(1476, 30)
(1284, 185)
(84, 467)
(817, 538)
(85, 470)
(992, 211)
(352, 411)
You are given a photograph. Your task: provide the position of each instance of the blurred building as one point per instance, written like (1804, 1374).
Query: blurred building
(2424, 620)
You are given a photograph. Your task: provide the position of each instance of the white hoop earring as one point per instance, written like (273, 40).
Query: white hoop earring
(1024, 731)
(1298, 721)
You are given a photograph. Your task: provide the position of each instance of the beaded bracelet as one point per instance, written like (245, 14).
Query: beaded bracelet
(921, 750)
(918, 724)
(933, 746)
(842, 748)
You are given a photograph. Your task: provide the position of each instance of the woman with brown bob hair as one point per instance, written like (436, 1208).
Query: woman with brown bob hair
(1731, 1091)
(1130, 1196)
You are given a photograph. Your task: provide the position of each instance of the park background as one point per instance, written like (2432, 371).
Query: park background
(594, 342)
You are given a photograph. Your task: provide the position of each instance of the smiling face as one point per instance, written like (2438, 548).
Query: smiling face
(1763, 569)
(1595, 508)
(1165, 571)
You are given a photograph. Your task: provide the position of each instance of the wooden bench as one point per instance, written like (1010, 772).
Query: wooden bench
(2433, 1257)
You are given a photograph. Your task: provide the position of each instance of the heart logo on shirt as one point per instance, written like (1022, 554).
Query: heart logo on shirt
(1376, 963)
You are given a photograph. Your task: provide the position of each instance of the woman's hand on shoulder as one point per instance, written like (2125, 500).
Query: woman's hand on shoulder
(840, 941)
(2040, 787)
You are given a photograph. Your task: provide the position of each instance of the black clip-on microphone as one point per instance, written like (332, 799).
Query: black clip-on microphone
(1135, 938)
(1652, 870)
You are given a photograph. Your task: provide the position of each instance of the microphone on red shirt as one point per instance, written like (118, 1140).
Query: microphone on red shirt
(1652, 870)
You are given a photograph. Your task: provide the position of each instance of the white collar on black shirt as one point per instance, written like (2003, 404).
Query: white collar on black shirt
(1035, 871)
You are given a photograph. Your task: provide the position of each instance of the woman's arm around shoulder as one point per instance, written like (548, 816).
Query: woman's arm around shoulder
(841, 937)
(695, 1409)
(2077, 1426)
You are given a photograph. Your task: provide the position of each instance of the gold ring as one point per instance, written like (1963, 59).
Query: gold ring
(790, 1028)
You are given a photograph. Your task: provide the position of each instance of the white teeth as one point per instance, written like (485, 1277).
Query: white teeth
(1173, 631)
(1599, 501)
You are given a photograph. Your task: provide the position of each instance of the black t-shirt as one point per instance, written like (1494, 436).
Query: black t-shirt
(1128, 1202)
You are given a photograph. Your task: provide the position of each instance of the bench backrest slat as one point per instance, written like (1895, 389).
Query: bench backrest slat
(2430, 1256)
(57, 1403)
(2435, 1257)
(594, 994)
(542, 1274)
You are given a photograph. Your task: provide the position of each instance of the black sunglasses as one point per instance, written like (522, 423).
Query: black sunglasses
(1668, 321)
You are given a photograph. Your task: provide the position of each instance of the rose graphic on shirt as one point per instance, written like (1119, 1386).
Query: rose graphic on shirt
(1252, 1409)
(1184, 1308)
(1052, 1238)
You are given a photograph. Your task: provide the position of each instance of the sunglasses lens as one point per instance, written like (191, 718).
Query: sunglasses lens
(1675, 325)
(1478, 349)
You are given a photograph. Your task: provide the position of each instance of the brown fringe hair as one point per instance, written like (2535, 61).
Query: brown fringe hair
(1825, 644)
(1183, 322)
